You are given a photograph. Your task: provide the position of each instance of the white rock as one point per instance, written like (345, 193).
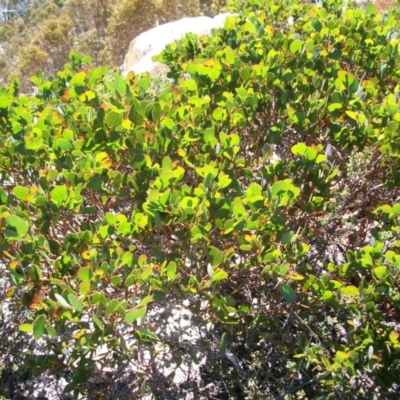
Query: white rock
(152, 42)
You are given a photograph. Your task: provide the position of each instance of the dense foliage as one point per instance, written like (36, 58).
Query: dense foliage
(261, 186)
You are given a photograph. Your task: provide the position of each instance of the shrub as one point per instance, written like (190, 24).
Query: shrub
(263, 182)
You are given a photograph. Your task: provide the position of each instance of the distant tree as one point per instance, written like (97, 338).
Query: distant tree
(56, 39)
(173, 10)
(29, 36)
(128, 19)
(90, 19)
(213, 7)
(32, 58)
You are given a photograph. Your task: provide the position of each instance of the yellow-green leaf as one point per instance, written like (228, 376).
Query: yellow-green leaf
(219, 275)
(380, 272)
(350, 291)
(351, 114)
(59, 194)
(394, 336)
(25, 327)
(85, 274)
(341, 355)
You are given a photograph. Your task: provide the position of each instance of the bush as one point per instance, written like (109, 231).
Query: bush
(263, 182)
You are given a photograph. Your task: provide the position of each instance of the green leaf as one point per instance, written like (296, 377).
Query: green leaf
(134, 116)
(120, 84)
(98, 298)
(239, 211)
(112, 305)
(380, 272)
(20, 192)
(215, 256)
(3, 196)
(296, 46)
(146, 300)
(392, 257)
(73, 300)
(299, 149)
(4, 102)
(327, 294)
(386, 208)
(171, 269)
(115, 280)
(245, 73)
(396, 208)
(79, 79)
(131, 279)
(63, 144)
(288, 293)
(97, 321)
(219, 114)
(51, 331)
(134, 314)
(114, 119)
(341, 356)
(85, 274)
(351, 114)
(219, 274)
(95, 183)
(59, 194)
(146, 273)
(248, 27)
(87, 96)
(311, 155)
(38, 327)
(282, 187)
(17, 224)
(209, 136)
(223, 181)
(191, 85)
(84, 288)
(222, 346)
(127, 259)
(189, 202)
(146, 332)
(335, 106)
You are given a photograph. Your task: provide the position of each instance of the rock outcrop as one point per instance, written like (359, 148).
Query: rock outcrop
(152, 42)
